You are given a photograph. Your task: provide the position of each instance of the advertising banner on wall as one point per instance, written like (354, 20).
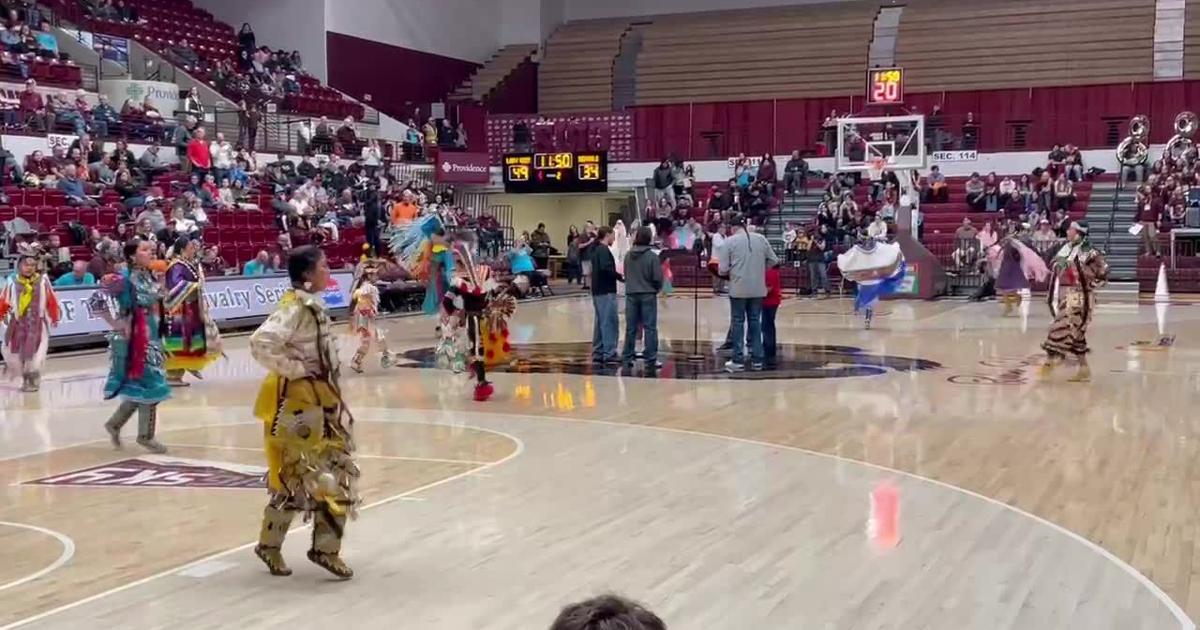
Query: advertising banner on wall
(463, 168)
(163, 95)
(228, 298)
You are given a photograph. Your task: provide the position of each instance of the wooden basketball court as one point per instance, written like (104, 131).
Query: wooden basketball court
(917, 475)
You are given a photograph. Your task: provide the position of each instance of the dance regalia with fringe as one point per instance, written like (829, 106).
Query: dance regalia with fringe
(1079, 269)
(364, 311)
(192, 340)
(137, 369)
(306, 428)
(1014, 265)
(430, 263)
(475, 307)
(29, 309)
(877, 268)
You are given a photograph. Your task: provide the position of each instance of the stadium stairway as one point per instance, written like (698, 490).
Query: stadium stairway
(799, 210)
(1121, 247)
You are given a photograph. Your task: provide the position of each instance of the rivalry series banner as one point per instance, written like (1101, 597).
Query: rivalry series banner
(228, 297)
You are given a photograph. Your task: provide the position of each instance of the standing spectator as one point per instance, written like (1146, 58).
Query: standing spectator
(970, 133)
(664, 183)
(744, 259)
(572, 267)
(346, 135)
(460, 137)
(198, 154)
(539, 243)
(372, 157)
(604, 297)
(182, 138)
(247, 42)
(795, 175)
(221, 153)
(770, 308)
(33, 107)
(1149, 216)
(251, 116)
(586, 242)
(192, 105)
(816, 259)
(643, 280)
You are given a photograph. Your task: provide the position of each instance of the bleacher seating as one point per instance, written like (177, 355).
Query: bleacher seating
(493, 72)
(965, 45)
(169, 21)
(575, 73)
(1191, 39)
(810, 50)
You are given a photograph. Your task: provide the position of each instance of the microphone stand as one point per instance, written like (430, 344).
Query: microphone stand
(696, 356)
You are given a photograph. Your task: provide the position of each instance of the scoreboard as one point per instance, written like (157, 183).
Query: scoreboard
(885, 86)
(563, 172)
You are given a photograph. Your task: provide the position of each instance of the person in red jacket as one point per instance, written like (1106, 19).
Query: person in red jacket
(770, 306)
(198, 154)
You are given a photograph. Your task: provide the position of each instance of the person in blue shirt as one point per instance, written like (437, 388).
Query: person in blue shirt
(258, 266)
(79, 276)
(519, 258)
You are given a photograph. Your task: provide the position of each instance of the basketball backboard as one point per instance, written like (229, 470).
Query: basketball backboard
(869, 143)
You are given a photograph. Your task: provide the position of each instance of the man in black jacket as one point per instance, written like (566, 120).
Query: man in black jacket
(664, 184)
(604, 297)
(795, 174)
(643, 281)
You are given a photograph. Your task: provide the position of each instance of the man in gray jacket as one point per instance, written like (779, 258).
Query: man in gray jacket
(643, 281)
(744, 260)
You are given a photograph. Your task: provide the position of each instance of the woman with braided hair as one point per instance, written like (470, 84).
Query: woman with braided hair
(1079, 269)
(308, 432)
(131, 303)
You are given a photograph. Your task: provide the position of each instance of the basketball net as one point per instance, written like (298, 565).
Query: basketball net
(875, 167)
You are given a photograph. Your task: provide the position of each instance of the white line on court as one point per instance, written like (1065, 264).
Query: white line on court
(68, 552)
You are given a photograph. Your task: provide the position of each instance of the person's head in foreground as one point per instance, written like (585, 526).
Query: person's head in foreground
(607, 612)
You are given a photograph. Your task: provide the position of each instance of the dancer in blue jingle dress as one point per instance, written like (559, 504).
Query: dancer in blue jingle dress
(131, 303)
(877, 268)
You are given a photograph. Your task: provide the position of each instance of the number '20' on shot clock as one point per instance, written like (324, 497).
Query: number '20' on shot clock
(885, 86)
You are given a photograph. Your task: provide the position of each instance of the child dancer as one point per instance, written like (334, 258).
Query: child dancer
(307, 429)
(364, 309)
(131, 303)
(30, 309)
(770, 308)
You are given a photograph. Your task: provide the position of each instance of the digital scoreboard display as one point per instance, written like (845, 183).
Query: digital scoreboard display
(885, 86)
(562, 172)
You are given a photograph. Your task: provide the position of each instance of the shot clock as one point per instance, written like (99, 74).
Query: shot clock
(561, 172)
(885, 86)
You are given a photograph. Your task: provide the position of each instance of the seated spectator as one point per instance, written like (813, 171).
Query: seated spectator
(64, 113)
(131, 194)
(151, 220)
(37, 167)
(1073, 163)
(1044, 238)
(987, 236)
(128, 13)
(260, 266)
(151, 163)
(212, 262)
(198, 154)
(185, 54)
(78, 277)
(287, 168)
(767, 176)
(991, 193)
(73, 188)
(975, 192)
(150, 111)
(935, 190)
(180, 224)
(130, 109)
(795, 175)
(1055, 161)
(607, 612)
(1064, 192)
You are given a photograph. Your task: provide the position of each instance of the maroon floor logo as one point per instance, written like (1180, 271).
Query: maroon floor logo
(158, 471)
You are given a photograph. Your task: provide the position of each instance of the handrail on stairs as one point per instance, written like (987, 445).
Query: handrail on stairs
(1112, 215)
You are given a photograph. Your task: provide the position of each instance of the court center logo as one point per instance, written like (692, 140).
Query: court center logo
(160, 471)
(793, 361)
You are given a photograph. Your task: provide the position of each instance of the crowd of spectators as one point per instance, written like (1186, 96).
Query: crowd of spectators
(1164, 197)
